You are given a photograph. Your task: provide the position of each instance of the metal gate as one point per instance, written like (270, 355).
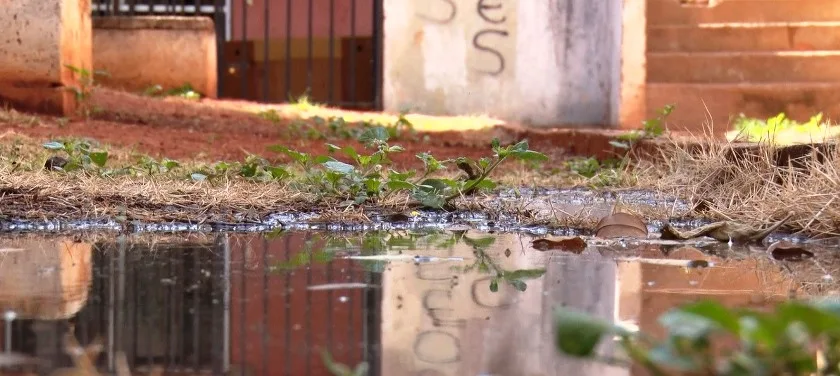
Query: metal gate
(327, 51)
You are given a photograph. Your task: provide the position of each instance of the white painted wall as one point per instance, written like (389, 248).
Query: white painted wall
(548, 62)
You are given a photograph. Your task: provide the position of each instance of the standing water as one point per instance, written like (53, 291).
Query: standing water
(400, 303)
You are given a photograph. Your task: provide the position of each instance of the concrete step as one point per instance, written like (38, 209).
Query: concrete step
(748, 37)
(736, 67)
(670, 12)
(702, 105)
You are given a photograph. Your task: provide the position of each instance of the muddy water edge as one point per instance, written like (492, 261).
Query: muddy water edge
(410, 302)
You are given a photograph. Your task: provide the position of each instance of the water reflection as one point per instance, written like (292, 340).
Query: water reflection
(446, 303)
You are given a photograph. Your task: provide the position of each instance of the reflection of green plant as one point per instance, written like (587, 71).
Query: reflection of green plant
(338, 369)
(798, 338)
(82, 92)
(485, 264)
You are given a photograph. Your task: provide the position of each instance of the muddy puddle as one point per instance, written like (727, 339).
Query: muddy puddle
(404, 303)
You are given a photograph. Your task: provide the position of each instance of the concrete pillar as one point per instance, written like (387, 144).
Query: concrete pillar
(633, 106)
(545, 63)
(41, 38)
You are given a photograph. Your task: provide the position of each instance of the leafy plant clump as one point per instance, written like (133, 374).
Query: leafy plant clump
(369, 176)
(798, 338)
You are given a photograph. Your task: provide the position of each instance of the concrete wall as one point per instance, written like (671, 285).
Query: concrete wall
(540, 62)
(140, 52)
(40, 38)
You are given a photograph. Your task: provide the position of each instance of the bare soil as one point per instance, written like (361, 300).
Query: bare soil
(226, 130)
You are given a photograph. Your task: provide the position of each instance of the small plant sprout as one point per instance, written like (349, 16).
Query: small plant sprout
(83, 92)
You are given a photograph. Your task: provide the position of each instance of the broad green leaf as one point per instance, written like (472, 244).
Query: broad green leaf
(518, 284)
(99, 158)
(429, 198)
(520, 147)
(715, 312)
(688, 325)
(54, 145)
(665, 354)
(248, 170)
(278, 172)
(485, 184)
(339, 167)
(480, 243)
(436, 185)
(401, 176)
(577, 333)
(817, 321)
(296, 156)
(396, 185)
(524, 274)
(377, 133)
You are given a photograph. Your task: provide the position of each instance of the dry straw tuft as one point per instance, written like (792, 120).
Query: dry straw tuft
(758, 183)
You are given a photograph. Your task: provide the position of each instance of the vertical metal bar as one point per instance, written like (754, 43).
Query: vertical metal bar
(111, 311)
(328, 345)
(7, 345)
(184, 7)
(373, 306)
(331, 54)
(309, 42)
(265, 307)
(170, 311)
(308, 347)
(266, 37)
(121, 295)
(242, 306)
(131, 5)
(378, 20)
(351, 334)
(243, 53)
(288, 50)
(287, 360)
(196, 316)
(219, 17)
(135, 316)
(225, 324)
(353, 44)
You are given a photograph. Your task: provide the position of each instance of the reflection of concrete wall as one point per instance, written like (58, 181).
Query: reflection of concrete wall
(540, 62)
(441, 322)
(140, 52)
(45, 280)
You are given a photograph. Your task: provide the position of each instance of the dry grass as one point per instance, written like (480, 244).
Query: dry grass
(750, 187)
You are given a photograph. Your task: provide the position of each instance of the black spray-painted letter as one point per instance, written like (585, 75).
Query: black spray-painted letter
(477, 44)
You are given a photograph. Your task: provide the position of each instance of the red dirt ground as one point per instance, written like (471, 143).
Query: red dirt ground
(215, 130)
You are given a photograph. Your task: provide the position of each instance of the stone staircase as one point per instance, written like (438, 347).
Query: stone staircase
(757, 57)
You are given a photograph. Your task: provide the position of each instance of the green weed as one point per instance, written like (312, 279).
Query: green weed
(797, 338)
(83, 91)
